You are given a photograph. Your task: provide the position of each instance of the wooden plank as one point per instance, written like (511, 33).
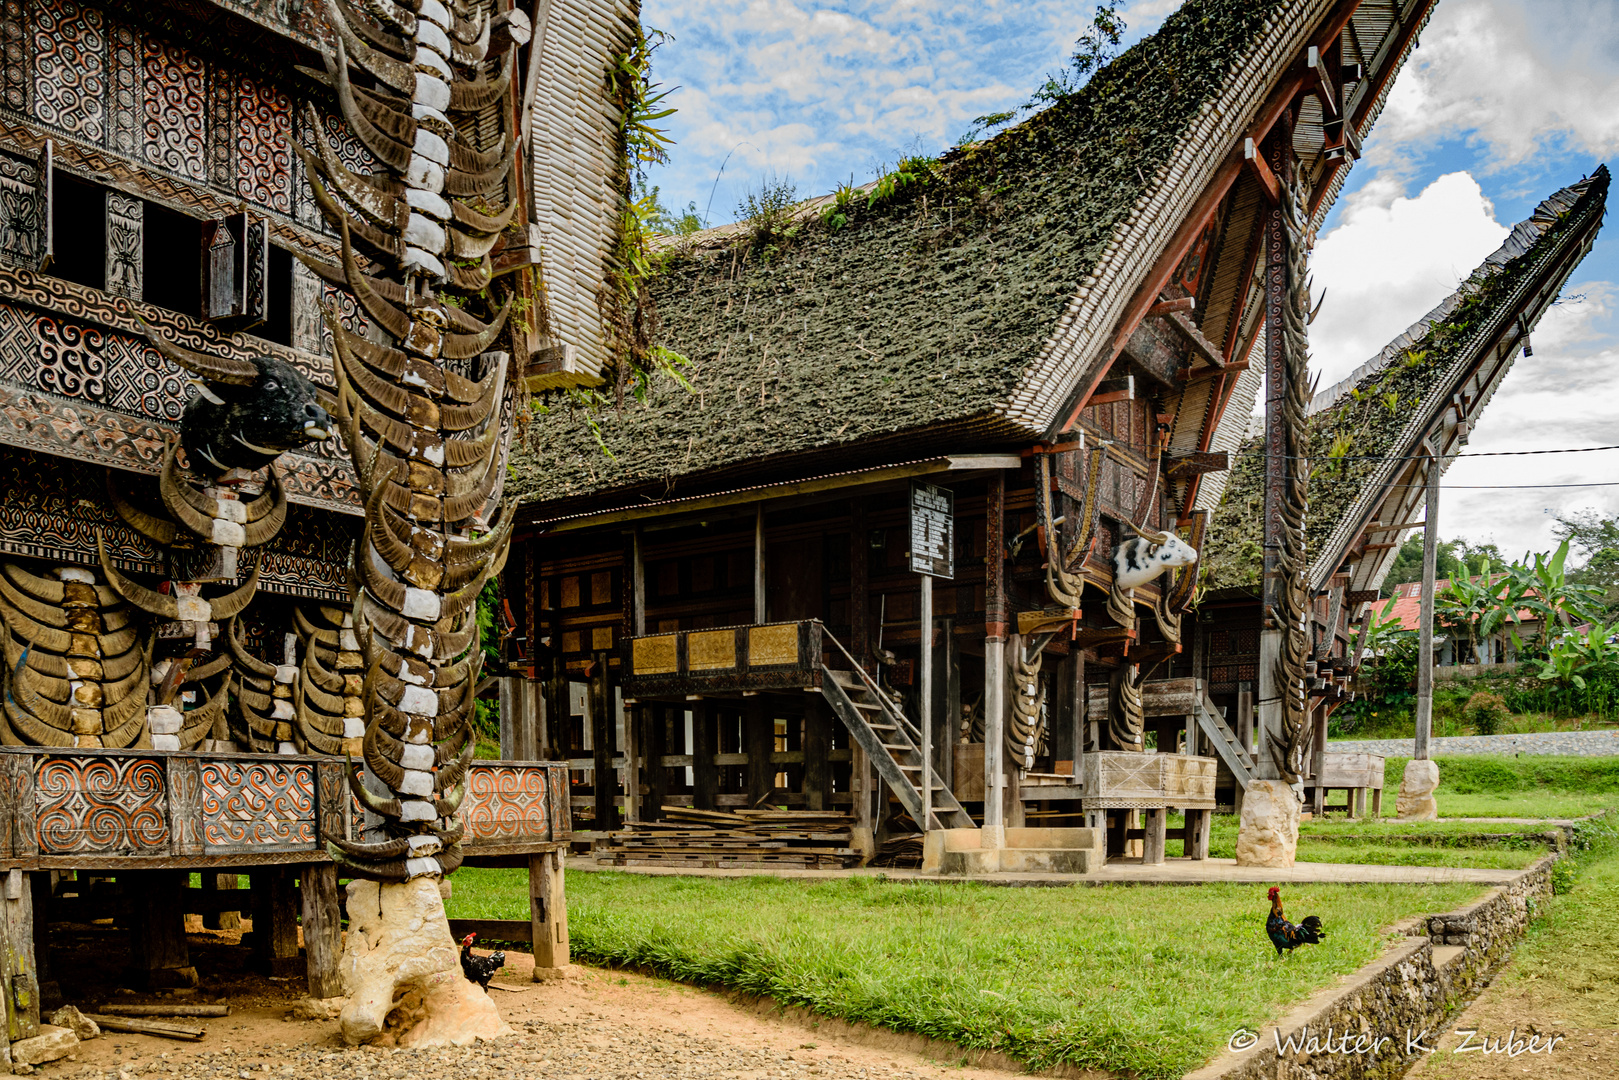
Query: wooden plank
(146, 1027)
(1254, 162)
(323, 931)
(167, 1010)
(20, 985)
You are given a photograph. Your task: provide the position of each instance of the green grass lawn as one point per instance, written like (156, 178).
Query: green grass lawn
(1149, 980)
(1482, 785)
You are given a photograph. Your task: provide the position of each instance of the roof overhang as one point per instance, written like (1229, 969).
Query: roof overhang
(959, 466)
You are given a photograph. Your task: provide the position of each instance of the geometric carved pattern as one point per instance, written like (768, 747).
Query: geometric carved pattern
(100, 805)
(174, 88)
(221, 127)
(126, 227)
(14, 55)
(257, 804)
(263, 157)
(125, 81)
(70, 77)
(507, 802)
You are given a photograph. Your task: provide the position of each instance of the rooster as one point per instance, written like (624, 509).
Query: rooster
(1283, 934)
(479, 969)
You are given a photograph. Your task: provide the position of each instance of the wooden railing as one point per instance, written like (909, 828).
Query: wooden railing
(105, 809)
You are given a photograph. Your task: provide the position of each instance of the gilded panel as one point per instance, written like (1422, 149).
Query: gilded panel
(653, 655)
(773, 644)
(710, 649)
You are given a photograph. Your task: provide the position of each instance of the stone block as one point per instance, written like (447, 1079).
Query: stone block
(1416, 799)
(51, 1044)
(165, 742)
(1268, 833)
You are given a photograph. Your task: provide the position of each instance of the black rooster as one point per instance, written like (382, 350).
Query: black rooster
(479, 969)
(1283, 934)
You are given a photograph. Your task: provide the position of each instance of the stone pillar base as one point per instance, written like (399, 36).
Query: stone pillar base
(1268, 832)
(1416, 801)
(401, 972)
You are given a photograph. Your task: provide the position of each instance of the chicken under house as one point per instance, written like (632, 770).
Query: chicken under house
(271, 282)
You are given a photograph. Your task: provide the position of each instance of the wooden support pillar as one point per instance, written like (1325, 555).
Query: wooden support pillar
(759, 563)
(758, 740)
(519, 719)
(924, 698)
(19, 976)
(950, 711)
(1318, 756)
(548, 914)
(275, 922)
(161, 959)
(995, 623)
(1197, 833)
(634, 724)
(655, 744)
(1245, 715)
(213, 919)
(39, 882)
(817, 745)
(1430, 552)
(1154, 836)
(556, 734)
(705, 775)
(604, 780)
(323, 930)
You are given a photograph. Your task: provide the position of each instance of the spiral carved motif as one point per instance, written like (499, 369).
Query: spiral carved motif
(101, 805)
(506, 804)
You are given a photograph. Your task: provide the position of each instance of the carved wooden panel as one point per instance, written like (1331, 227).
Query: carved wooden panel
(185, 804)
(174, 90)
(70, 69)
(263, 138)
(25, 209)
(222, 106)
(126, 227)
(258, 805)
(14, 55)
(125, 83)
(100, 805)
(333, 799)
(506, 803)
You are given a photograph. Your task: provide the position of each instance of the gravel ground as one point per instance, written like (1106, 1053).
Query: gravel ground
(1556, 743)
(599, 1026)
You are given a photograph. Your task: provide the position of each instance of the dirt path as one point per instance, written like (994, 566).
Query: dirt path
(599, 1026)
(1502, 1014)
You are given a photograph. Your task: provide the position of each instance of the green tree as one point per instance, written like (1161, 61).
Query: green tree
(1451, 559)
(1545, 589)
(1596, 540)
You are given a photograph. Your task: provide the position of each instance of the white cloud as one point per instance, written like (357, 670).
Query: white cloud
(817, 91)
(1559, 398)
(1515, 75)
(1390, 260)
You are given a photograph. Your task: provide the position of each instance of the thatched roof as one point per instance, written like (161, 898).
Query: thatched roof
(1366, 426)
(958, 314)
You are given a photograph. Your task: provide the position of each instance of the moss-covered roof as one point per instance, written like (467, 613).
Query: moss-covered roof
(916, 322)
(1364, 424)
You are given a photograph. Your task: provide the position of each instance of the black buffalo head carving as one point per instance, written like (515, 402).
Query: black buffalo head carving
(246, 413)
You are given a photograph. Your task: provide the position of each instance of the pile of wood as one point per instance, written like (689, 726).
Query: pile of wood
(903, 852)
(743, 839)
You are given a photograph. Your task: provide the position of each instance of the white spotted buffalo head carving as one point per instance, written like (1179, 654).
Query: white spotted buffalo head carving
(1138, 561)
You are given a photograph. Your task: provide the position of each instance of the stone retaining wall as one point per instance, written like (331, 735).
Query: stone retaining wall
(1599, 743)
(1416, 987)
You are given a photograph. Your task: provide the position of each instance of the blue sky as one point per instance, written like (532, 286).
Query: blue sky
(1504, 101)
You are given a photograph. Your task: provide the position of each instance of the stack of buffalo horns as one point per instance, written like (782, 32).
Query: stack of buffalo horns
(427, 442)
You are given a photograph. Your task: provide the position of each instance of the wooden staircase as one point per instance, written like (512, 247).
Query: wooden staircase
(891, 741)
(1225, 742)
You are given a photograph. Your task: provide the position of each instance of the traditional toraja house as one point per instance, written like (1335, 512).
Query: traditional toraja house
(323, 217)
(1059, 329)
(1372, 439)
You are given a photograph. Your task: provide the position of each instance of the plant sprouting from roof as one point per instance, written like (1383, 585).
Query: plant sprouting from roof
(768, 212)
(835, 215)
(912, 169)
